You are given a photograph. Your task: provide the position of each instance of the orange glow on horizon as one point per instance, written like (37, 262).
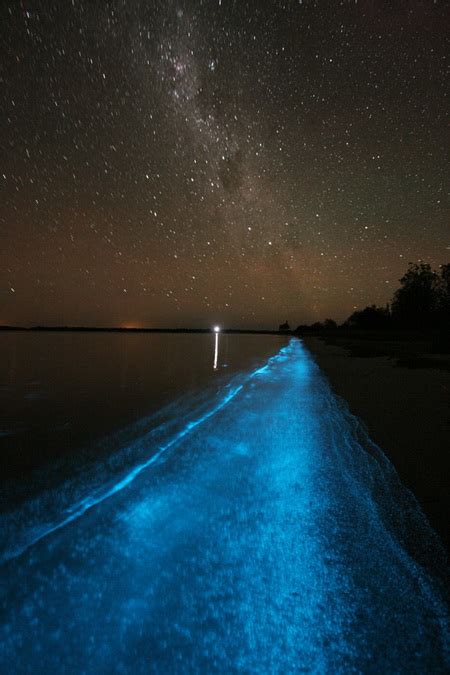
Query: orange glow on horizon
(132, 324)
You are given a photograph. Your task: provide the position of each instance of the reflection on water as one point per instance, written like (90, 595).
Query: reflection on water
(216, 347)
(60, 392)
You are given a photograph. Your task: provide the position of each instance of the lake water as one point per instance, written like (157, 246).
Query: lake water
(249, 525)
(62, 395)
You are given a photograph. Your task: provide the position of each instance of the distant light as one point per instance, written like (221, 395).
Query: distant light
(217, 329)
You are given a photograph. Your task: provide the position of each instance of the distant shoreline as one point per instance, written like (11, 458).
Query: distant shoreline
(102, 329)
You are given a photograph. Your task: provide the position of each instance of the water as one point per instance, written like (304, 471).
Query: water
(262, 533)
(61, 394)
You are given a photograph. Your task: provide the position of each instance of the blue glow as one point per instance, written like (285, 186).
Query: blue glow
(266, 534)
(81, 507)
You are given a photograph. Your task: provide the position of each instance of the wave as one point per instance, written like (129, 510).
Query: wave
(128, 453)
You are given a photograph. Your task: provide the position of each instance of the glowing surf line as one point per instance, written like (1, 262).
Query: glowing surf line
(88, 503)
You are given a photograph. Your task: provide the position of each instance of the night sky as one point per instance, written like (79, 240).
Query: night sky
(182, 163)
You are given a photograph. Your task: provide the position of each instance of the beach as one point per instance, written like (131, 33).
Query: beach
(406, 412)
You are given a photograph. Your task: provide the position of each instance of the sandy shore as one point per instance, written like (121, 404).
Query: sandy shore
(407, 413)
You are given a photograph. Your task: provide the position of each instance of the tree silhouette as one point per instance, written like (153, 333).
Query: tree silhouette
(371, 317)
(416, 302)
(444, 296)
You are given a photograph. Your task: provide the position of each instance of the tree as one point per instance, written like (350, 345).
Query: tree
(284, 326)
(444, 296)
(422, 301)
(371, 317)
(416, 302)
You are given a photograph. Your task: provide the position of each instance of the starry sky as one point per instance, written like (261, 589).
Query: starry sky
(243, 162)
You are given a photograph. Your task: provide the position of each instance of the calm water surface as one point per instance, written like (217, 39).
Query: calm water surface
(62, 394)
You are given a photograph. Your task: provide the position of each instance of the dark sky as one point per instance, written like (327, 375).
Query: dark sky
(183, 163)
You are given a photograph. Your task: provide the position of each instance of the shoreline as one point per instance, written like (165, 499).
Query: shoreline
(406, 413)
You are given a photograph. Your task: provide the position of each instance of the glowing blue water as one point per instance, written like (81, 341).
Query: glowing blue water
(266, 534)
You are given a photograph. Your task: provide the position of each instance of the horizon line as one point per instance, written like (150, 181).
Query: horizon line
(124, 329)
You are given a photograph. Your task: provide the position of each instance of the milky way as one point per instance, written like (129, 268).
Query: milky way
(183, 163)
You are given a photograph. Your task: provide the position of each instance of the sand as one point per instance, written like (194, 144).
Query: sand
(407, 413)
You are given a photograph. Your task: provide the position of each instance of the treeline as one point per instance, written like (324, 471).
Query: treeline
(421, 303)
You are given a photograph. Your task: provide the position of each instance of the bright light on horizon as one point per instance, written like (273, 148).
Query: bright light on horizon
(217, 329)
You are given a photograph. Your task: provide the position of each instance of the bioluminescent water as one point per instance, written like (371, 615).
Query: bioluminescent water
(256, 529)
(63, 396)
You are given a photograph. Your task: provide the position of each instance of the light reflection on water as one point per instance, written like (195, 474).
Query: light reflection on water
(216, 348)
